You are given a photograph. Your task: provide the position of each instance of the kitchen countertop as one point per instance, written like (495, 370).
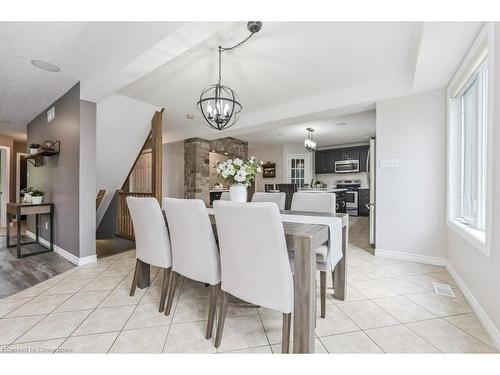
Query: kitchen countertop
(218, 190)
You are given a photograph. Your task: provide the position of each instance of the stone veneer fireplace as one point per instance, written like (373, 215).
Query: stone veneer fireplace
(196, 163)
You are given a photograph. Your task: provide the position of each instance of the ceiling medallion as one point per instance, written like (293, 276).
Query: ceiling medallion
(309, 142)
(219, 105)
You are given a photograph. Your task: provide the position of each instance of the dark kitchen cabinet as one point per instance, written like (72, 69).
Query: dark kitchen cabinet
(325, 159)
(320, 161)
(340, 200)
(363, 155)
(363, 202)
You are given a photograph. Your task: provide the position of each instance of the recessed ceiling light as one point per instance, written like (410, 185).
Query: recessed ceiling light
(341, 123)
(44, 65)
(190, 116)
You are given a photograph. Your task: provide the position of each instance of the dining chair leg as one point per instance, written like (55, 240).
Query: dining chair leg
(222, 319)
(171, 291)
(333, 279)
(211, 310)
(134, 280)
(322, 287)
(164, 288)
(285, 335)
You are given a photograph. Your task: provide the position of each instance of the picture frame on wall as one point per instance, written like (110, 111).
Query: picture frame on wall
(269, 170)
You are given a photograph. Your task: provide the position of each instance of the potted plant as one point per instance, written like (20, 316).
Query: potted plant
(33, 148)
(37, 196)
(239, 174)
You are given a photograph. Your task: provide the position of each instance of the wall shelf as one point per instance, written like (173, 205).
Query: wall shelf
(38, 160)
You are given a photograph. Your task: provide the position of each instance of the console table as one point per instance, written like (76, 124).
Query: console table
(16, 210)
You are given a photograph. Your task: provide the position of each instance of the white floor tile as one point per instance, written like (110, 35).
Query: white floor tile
(448, 338)
(352, 342)
(399, 339)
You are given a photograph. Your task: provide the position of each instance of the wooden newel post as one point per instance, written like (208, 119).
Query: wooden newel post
(157, 146)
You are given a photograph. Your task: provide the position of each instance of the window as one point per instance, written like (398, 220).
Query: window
(473, 150)
(470, 125)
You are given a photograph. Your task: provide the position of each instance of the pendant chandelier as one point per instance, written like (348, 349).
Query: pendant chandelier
(219, 105)
(309, 142)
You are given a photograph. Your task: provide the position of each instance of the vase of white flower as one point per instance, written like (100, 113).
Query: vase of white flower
(239, 174)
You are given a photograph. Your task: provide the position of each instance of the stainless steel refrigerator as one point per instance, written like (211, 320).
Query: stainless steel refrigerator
(371, 183)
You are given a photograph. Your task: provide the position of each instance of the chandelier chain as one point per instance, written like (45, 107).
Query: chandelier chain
(224, 49)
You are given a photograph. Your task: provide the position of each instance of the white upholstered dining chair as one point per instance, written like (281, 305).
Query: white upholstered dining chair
(254, 260)
(195, 254)
(152, 242)
(318, 202)
(224, 196)
(278, 198)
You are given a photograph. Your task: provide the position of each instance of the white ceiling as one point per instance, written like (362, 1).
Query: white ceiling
(288, 73)
(291, 70)
(88, 52)
(359, 127)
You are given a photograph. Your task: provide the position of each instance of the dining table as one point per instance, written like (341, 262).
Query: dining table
(303, 238)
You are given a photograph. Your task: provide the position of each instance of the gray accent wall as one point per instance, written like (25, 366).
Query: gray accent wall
(59, 178)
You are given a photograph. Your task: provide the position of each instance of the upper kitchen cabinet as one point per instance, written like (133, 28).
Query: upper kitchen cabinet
(325, 159)
(363, 156)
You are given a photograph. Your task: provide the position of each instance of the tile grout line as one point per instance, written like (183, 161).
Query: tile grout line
(138, 302)
(181, 290)
(95, 308)
(267, 337)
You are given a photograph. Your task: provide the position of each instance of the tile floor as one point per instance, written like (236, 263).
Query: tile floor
(390, 307)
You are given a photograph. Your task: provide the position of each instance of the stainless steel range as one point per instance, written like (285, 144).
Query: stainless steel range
(352, 187)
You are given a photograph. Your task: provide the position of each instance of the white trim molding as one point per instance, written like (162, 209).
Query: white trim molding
(485, 320)
(64, 253)
(426, 259)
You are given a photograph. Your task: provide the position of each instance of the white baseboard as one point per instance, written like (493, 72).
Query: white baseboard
(64, 253)
(485, 320)
(426, 259)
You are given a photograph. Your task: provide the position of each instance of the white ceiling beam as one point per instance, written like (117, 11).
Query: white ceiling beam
(186, 37)
(442, 47)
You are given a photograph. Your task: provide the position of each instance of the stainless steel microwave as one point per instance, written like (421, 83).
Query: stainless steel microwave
(346, 166)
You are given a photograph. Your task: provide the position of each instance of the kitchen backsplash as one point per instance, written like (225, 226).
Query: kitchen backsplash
(331, 178)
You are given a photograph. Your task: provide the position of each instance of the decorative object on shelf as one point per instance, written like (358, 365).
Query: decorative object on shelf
(269, 170)
(37, 196)
(26, 192)
(239, 174)
(219, 104)
(309, 142)
(49, 148)
(33, 148)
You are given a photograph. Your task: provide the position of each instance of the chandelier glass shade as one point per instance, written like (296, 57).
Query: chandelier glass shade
(218, 104)
(309, 142)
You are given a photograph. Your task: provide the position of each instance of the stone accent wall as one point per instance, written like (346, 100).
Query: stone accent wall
(197, 166)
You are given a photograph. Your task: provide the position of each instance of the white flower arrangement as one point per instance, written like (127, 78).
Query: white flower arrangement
(237, 171)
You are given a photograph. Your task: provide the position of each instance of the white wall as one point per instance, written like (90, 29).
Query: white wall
(122, 127)
(411, 198)
(478, 273)
(173, 170)
(272, 153)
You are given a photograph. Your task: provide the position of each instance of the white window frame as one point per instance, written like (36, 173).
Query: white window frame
(481, 50)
